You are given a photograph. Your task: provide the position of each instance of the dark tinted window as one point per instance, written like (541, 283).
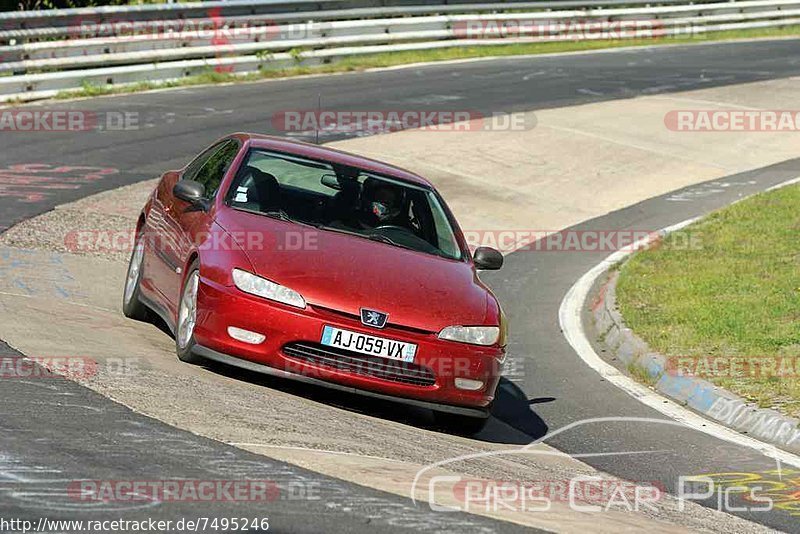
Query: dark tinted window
(343, 199)
(211, 167)
(198, 161)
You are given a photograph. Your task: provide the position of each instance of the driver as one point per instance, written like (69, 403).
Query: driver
(381, 204)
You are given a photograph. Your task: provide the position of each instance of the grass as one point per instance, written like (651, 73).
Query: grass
(641, 375)
(736, 293)
(389, 59)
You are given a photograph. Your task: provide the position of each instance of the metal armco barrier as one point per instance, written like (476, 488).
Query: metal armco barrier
(45, 52)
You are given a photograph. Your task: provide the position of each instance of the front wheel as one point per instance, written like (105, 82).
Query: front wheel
(187, 316)
(132, 307)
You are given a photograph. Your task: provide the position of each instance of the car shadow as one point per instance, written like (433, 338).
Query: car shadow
(516, 413)
(513, 420)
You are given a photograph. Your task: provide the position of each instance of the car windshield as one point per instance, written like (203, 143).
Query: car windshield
(343, 199)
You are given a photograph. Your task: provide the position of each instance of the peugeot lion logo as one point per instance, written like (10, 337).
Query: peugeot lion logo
(373, 318)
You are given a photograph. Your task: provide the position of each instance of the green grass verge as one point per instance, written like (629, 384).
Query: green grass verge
(734, 293)
(390, 59)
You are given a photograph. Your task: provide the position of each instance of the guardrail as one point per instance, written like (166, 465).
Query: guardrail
(45, 52)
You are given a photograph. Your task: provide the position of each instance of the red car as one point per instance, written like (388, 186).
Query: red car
(317, 265)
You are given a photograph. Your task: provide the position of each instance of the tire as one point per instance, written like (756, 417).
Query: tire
(463, 425)
(187, 316)
(132, 307)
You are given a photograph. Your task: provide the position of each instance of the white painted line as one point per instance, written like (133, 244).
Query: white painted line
(609, 50)
(784, 184)
(569, 317)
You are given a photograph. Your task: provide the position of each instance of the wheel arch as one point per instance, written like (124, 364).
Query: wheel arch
(193, 256)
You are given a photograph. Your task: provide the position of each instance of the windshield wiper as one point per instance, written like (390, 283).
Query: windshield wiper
(373, 237)
(380, 238)
(277, 214)
(283, 216)
(321, 226)
(389, 241)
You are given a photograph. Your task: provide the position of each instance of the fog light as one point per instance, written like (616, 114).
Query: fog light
(246, 336)
(468, 384)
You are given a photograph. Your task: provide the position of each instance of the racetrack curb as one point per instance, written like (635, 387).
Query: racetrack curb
(701, 395)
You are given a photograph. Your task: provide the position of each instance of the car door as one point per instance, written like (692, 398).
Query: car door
(160, 258)
(183, 222)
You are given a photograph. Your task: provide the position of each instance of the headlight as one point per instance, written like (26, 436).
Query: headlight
(474, 335)
(255, 285)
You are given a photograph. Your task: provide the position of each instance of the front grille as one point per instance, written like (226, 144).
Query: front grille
(360, 364)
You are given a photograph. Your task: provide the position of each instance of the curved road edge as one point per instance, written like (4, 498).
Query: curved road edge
(712, 401)
(571, 313)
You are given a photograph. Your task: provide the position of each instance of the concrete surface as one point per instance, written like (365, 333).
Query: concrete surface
(584, 161)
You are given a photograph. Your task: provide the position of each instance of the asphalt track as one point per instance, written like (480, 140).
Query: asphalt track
(63, 431)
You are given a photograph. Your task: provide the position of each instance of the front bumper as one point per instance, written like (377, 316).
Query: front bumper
(220, 307)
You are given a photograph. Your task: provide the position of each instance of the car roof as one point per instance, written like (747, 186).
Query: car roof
(324, 153)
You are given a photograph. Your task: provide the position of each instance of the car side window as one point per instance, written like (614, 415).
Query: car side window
(210, 170)
(200, 160)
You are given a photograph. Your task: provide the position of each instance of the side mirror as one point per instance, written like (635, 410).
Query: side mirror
(330, 180)
(487, 259)
(189, 191)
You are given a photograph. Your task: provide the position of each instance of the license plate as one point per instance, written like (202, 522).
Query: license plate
(366, 344)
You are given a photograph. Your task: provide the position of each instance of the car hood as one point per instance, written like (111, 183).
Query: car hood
(345, 273)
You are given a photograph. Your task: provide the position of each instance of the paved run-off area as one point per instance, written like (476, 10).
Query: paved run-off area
(495, 181)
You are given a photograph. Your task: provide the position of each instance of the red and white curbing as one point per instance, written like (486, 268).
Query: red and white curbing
(570, 316)
(701, 395)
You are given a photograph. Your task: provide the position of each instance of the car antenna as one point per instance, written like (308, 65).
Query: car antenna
(319, 112)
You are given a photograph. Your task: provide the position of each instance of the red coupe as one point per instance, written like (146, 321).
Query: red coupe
(317, 265)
